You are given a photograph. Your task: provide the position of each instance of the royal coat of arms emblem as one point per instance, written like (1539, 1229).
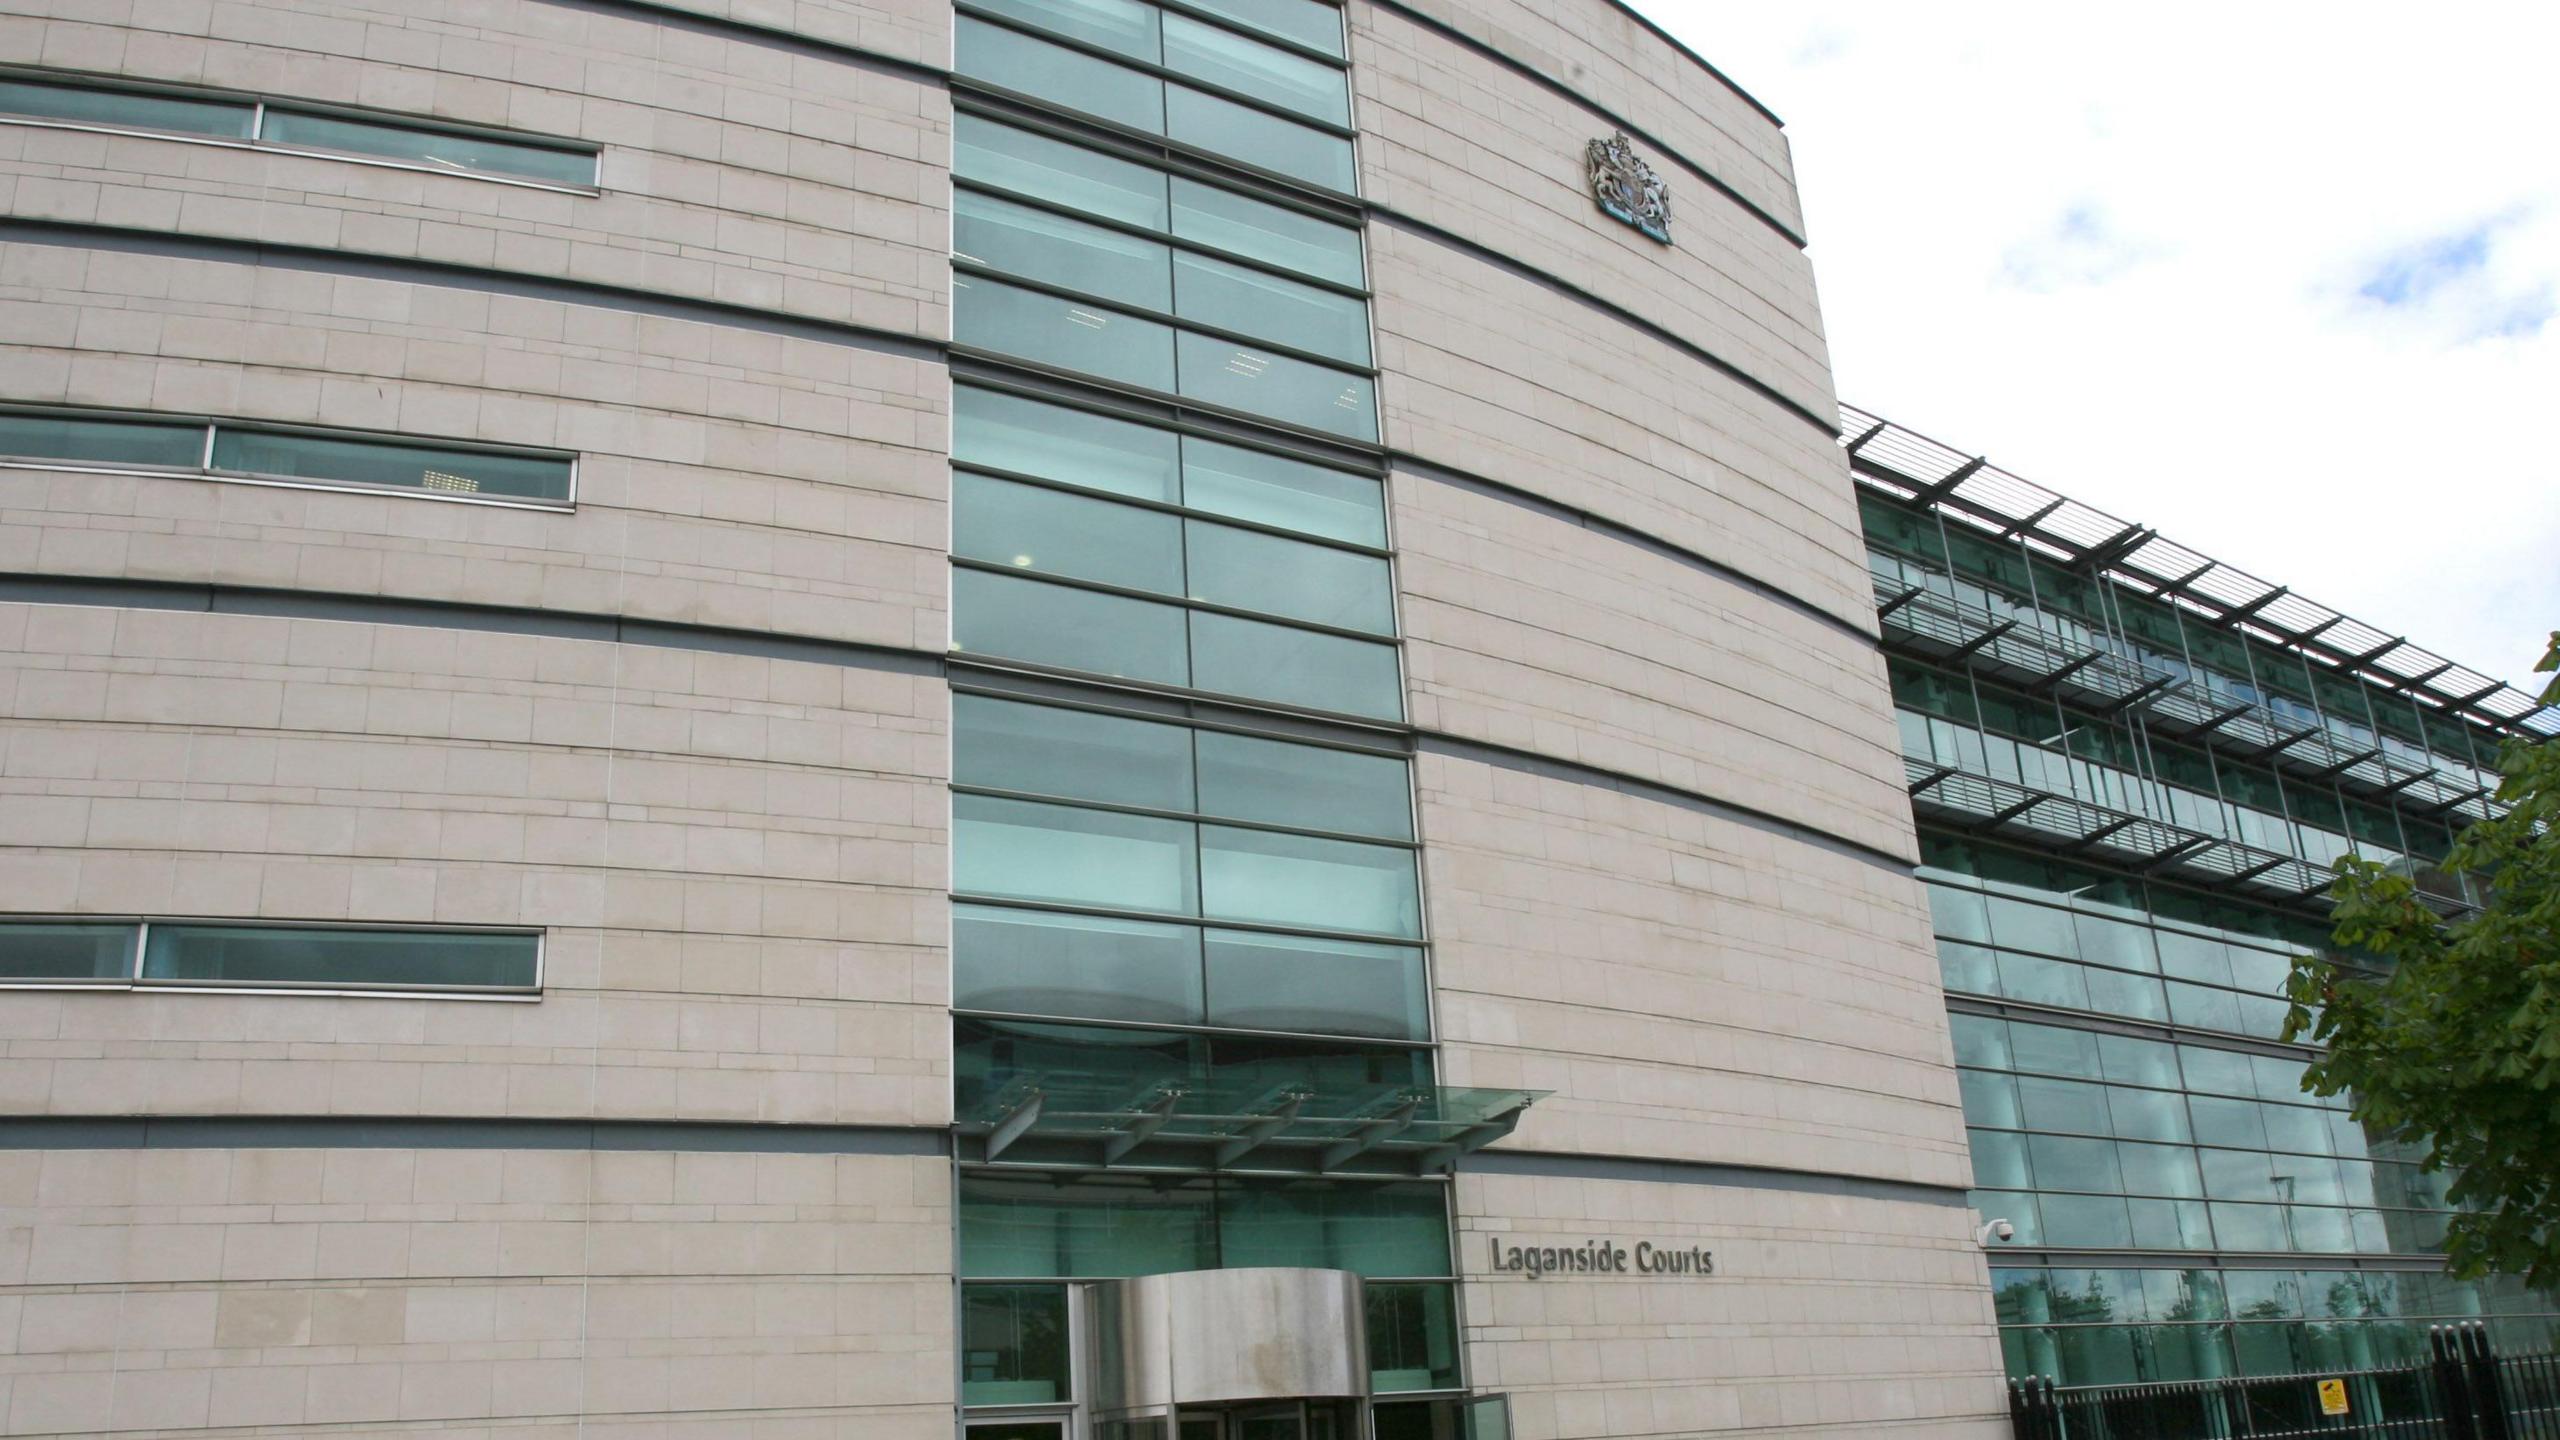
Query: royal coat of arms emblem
(1626, 187)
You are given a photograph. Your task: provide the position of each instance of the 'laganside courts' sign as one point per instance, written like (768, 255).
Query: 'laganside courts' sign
(1601, 1257)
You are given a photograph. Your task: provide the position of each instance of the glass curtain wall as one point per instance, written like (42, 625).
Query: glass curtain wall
(2182, 1208)
(1183, 847)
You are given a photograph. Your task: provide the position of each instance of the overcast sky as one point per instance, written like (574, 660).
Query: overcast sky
(2281, 280)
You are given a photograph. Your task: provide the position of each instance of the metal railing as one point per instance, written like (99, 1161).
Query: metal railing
(2465, 1391)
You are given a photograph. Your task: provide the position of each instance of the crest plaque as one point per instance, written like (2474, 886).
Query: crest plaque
(1627, 188)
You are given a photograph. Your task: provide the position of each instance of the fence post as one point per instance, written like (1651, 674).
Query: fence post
(2486, 1382)
(2453, 1385)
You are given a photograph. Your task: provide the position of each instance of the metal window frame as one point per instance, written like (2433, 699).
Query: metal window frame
(134, 981)
(259, 104)
(213, 426)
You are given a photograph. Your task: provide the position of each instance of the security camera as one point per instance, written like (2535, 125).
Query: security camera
(1996, 1230)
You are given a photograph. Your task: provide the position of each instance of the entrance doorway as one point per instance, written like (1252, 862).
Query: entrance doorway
(1273, 1420)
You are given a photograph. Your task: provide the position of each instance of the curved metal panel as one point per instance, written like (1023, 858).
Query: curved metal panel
(1213, 1337)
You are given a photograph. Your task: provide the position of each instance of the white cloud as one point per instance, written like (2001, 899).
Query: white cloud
(2277, 279)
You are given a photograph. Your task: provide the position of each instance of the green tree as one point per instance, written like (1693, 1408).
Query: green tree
(2454, 1049)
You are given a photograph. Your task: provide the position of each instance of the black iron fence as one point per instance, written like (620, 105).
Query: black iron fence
(2467, 1391)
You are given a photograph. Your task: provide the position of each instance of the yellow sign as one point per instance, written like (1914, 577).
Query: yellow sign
(2333, 1397)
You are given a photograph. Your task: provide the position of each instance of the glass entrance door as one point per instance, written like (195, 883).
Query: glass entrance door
(1268, 1422)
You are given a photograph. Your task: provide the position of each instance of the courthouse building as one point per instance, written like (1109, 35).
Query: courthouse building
(1096, 720)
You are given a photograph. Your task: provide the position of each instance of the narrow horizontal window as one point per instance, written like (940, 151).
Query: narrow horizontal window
(1110, 635)
(1257, 381)
(1264, 661)
(1260, 981)
(224, 450)
(1311, 23)
(65, 951)
(1038, 245)
(1252, 302)
(1228, 60)
(231, 955)
(133, 109)
(456, 150)
(1076, 335)
(276, 121)
(1017, 850)
(1270, 878)
(359, 959)
(391, 464)
(1259, 230)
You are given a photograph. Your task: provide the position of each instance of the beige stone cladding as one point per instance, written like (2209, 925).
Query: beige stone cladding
(737, 863)
(460, 1292)
(758, 173)
(725, 476)
(1691, 987)
(1606, 54)
(1544, 636)
(1454, 138)
(1827, 1314)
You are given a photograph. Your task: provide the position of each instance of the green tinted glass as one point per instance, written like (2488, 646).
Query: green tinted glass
(1260, 981)
(1024, 851)
(1042, 245)
(1413, 1337)
(1261, 382)
(1053, 170)
(1038, 68)
(88, 105)
(1030, 962)
(1257, 137)
(1288, 578)
(1311, 787)
(1311, 23)
(1286, 494)
(1264, 661)
(1003, 615)
(1073, 447)
(256, 955)
(1283, 311)
(1072, 754)
(374, 462)
(101, 442)
(1228, 60)
(1263, 231)
(1096, 1226)
(1013, 1345)
(1039, 530)
(1277, 879)
(1127, 27)
(65, 950)
(564, 165)
(1067, 334)
(1376, 1231)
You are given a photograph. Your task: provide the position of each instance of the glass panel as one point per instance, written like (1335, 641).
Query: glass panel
(1281, 982)
(1299, 880)
(1988, 1099)
(1959, 914)
(2096, 1221)
(1051, 1430)
(2129, 1061)
(1254, 571)
(2019, 925)
(1013, 1345)
(1264, 661)
(2170, 1225)
(1045, 750)
(2133, 997)
(1261, 383)
(559, 164)
(2167, 1170)
(250, 955)
(2000, 1159)
(2063, 1105)
(2217, 1072)
(1126, 26)
(2147, 1114)
(1055, 1226)
(1309, 22)
(1230, 61)
(1284, 147)
(1068, 334)
(1053, 72)
(1286, 312)
(1032, 963)
(1053, 170)
(1968, 969)
(1025, 851)
(2233, 1123)
(2115, 942)
(1286, 494)
(1054, 250)
(1980, 1041)
(2203, 1008)
(374, 462)
(45, 950)
(1072, 447)
(1413, 1337)
(1378, 1231)
(2039, 981)
(84, 106)
(1072, 629)
(1263, 231)
(107, 442)
(2064, 1163)
(2193, 957)
(1032, 528)
(2053, 1050)
(2296, 1127)
(2250, 1227)
(1244, 777)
